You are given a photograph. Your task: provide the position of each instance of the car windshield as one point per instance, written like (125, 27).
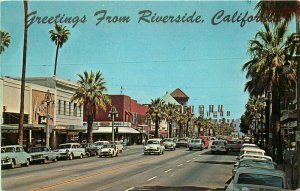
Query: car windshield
(220, 143)
(36, 149)
(167, 140)
(64, 146)
(195, 141)
(7, 149)
(260, 179)
(83, 145)
(153, 142)
(257, 164)
(108, 146)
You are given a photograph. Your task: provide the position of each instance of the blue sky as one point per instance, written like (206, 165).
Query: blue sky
(146, 59)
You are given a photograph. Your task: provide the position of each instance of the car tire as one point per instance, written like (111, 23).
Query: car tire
(162, 152)
(54, 160)
(96, 153)
(45, 161)
(12, 166)
(27, 163)
(81, 156)
(71, 157)
(190, 149)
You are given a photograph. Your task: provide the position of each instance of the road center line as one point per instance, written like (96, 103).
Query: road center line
(168, 170)
(129, 189)
(152, 178)
(20, 177)
(188, 161)
(179, 165)
(61, 170)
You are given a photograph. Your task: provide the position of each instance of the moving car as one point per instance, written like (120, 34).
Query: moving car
(42, 154)
(109, 150)
(14, 155)
(119, 146)
(249, 145)
(154, 146)
(218, 146)
(258, 179)
(70, 151)
(169, 144)
(234, 145)
(182, 142)
(196, 144)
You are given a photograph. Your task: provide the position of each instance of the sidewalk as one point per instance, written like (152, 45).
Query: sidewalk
(287, 167)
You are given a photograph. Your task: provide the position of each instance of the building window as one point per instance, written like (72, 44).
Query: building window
(59, 106)
(65, 107)
(79, 111)
(70, 105)
(75, 109)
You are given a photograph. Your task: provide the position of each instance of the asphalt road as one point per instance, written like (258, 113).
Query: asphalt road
(131, 170)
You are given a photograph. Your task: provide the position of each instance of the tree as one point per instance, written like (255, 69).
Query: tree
(4, 40)
(157, 112)
(59, 35)
(181, 120)
(171, 116)
(264, 70)
(199, 122)
(21, 121)
(91, 94)
(189, 117)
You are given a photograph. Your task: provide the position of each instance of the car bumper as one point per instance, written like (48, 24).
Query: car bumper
(151, 151)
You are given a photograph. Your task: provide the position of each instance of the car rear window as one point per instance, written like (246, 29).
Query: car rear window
(153, 142)
(195, 141)
(221, 143)
(260, 179)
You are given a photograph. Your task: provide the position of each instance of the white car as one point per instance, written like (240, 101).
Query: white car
(218, 146)
(244, 156)
(154, 146)
(249, 145)
(252, 151)
(119, 146)
(169, 144)
(109, 150)
(70, 151)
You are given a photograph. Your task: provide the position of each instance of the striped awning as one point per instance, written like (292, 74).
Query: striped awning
(120, 130)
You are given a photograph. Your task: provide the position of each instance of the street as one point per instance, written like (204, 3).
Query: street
(131, 170)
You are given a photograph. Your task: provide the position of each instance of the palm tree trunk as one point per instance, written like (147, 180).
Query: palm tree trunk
(55, 64)
(156, 128)
(276, 139)
(187, 129)
(90, 128)
(170, 130)
(21, 122)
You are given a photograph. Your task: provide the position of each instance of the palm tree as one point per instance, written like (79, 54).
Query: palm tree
(264, 70)
(91, 94)
(199, 122)
(181, 120)
(157, 112)
(189, 116)
(4, 40)
(59, 36)
(171, 115)
(21, 121)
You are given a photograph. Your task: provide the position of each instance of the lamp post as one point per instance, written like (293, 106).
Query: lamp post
(113, 113)
(48, 100)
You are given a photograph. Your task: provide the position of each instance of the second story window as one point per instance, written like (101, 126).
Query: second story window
(59, 106)
(65, 107)
(75, 109)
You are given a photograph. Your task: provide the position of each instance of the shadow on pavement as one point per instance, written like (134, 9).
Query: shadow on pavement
(217, 162)
(171, 188)
(231, 153)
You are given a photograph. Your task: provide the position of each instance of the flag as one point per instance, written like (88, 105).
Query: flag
(191, 109)
(201, 110)
(221, 114)
(211, 108)
(221, 108)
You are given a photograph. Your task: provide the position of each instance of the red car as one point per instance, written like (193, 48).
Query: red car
(205, 141)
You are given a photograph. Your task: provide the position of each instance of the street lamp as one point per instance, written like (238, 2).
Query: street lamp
(48, 99)
(113, 113)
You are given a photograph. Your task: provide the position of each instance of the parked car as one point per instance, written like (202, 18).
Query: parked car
(182, 142)
(218, 146)
(249, 145)
(196, 144)
(254, 163)
(205, 141)
(252, 151)
(119, 146)
(154, 146)
(109, 150)
(70, 151)
(100, 144)
(14, 155)
(258, 179)
(169, 144)
(42, 154)
(90, 149)
(234, 145)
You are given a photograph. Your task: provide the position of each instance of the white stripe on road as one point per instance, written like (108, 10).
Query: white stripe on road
(152, 178)
(129, 189)
(61, 170)
(179, 165)
(168, 170)
(188, 161)
(20, 177)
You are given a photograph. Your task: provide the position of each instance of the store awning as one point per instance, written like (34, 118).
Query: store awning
(120, 130)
